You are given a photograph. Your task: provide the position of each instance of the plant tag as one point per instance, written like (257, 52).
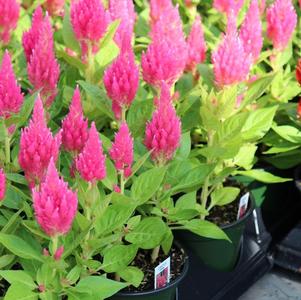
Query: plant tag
(162, 274)
(243, 205)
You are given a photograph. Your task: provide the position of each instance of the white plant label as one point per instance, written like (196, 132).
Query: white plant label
(243, 205)
(162, 274)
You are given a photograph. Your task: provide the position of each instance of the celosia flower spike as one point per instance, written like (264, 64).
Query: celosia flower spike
(55, 205)
(11, 98)
(157, 7)
(89, 21)
(251, 31)
(75, 127)
(123, 10)
(231, 64)
(226, 6)
(2, 184)
(196, 45)
(9, 12)
(37, 146)
(281, 23)
(121, 81)
(122, 150)
(54, 7)
(163, 132)
(91, 162)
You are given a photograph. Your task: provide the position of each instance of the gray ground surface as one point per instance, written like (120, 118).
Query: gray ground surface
(277, 285)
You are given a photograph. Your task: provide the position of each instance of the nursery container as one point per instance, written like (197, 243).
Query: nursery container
(169, 292)
(219, 254)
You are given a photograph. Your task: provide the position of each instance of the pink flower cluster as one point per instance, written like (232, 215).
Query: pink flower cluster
(89, 20)
(91, 161)
(43, 69)
(9, 16)
(37, 146)
(11, 98)
(74, 126)
(163, 132)
(122, 150)
(251, 31)
(2, 184)
(121, 81)
(55, 204)
(226, 6)
(231, 63)
(281, 23)
(165, 58)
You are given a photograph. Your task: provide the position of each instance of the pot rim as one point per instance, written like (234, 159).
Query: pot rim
(172, 284)
(245, 216)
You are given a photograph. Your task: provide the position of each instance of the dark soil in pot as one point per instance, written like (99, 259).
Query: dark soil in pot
(179, 268)
(220, 254)
(4, 285)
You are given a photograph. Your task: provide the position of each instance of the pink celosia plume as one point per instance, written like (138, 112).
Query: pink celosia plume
(11, 98)
(196, 45)
(231, 64)
(123, 10)
(281, 23)
(9, 15)
(2, 184)
(75, 127)
(55, 205)
(37, 146)
(226, 6)
(122, 150)
(157, 7)
(163, 132)
(89, 21)
(121, 81)
(54, 7)
(91, 161)
(251, 31)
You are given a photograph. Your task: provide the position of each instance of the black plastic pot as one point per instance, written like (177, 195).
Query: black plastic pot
(219, 254)
(169, 292)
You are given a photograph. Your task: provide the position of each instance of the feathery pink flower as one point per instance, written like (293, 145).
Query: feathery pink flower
(55, 205)
(226, 6)
(281, 23)
(231, 64)
(9, 12)
(30, 38)
(163, 132)
(123, 10)
(196, 45)
(251, 31)
(89, 21)
(91, 162)
(157, 7)
(2, 184)
(37, 146)
(11, 98)
(121, 81)
(58, 253)
(54, 7)
(43, 68)
(75, 127)
(122, 150)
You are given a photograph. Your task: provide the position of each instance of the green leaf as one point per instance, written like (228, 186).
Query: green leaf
(206, 229)
(98, 287)
(224, 196)
(167, 242)
(148, 234)
(256, 89)
(132, 275)
(14, 177)
(263, 176)
(147, 184)
(118, 257)
(258, 123)
(68, 33)
(21, 292)
(185, 146)
(289, 133)
(6, 260)
(18, 277)
(138, 164)
(74, 274)
(111, 179)
(19, 247)
(187, 201)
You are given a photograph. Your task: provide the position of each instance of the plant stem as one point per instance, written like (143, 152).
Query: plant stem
(90, 66)
(155, 254)
(7, 147)
(123, 114)
(55, 241)
(122, 182)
